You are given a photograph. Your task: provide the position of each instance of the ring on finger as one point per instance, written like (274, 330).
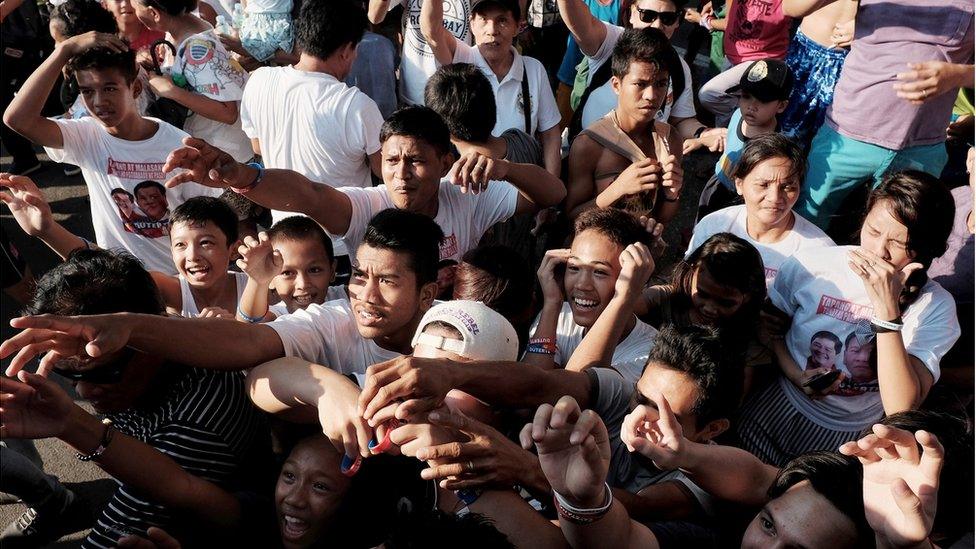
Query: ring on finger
(470, 465)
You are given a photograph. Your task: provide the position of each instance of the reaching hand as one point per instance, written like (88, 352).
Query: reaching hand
(341, 421)
(929, 79)
(574, 450)
(416, 435)
(656, 434)
(552, 285)
(900, 485)
(714, 139)
(33, 407)
(473, 171)
(656, 230)
(486, 460)
(207, 165)
(216, 312)
(62, 337)
(259, 260)
(636, 268)
(421, 382)
(26, 203)
(83, 42)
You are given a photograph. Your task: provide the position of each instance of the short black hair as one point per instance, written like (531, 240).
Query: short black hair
(201, 209)
(509, 5)
(497, 276)
(93, 282)
(299, 227)
(462, 95)
(172, 7)
(837, 478)
(102, 59)
(617, 225)
(75, 17)
(647, 45)
(411, 233)
(120, 190)
(698, 351)
(418, 123)
(324, 26)
(767, 146)
(149, 184)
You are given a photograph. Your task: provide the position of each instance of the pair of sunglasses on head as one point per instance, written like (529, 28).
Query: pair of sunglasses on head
(667, 18)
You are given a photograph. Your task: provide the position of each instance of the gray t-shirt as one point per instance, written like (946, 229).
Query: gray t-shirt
(522, 147)
(611, 398)
(954, 270)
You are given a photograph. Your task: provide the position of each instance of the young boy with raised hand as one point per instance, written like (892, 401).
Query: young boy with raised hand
(116, 147)
(295, 260)
(203, 233)
(764, 93)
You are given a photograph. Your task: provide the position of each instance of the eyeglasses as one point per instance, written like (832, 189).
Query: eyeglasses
(668, 18)
(105, 374)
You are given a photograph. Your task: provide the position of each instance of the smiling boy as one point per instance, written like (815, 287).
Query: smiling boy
(116, 148)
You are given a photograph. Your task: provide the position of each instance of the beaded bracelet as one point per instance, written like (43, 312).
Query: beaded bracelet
(576, 515)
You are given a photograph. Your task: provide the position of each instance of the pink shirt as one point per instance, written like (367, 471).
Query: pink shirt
(756, 29)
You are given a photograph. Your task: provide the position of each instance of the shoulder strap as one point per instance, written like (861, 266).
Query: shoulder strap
(605, 132)
(600, 77)
(526, 100)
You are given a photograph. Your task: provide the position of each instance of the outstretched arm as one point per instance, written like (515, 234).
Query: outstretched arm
(32, 212)
(35, 407)
(277, 189)
(202, 342)
(441, 42)
(588, 30)
(537, 188)
(262, 264)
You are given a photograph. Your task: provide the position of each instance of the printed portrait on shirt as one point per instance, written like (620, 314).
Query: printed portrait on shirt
(144, 211)
(824, 348)
(861, 363)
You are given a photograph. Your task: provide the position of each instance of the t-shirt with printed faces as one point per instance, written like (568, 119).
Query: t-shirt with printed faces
(417, 63)
(629, 357)
(832, 328)
(464, 217)
(327, 334)
(328, 135)
(613, 400)
(130, 208)
(543, 115)
(210, 71)
(756, 29)
(733, 219)
(602, 100)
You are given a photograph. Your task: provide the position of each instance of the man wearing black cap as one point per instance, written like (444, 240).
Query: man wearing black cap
(763, 91)
(521, 85)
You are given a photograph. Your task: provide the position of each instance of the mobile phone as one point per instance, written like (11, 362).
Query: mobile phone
(822, 381)
(122, 530)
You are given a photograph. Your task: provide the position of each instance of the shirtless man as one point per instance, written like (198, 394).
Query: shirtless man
(627, 159)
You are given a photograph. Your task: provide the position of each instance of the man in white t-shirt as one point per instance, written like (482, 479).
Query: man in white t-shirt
(304, 118)
(417, 61)
(416, 156)
(518, 81)
(393, 285)
(607, 264)
(119, 151)
(597, 40)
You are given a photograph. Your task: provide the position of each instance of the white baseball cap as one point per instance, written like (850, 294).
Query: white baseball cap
(486, 334)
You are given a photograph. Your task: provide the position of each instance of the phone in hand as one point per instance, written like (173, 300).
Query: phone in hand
(822, 381)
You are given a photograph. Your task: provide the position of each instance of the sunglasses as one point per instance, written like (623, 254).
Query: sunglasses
(668, 18)
(106, 374)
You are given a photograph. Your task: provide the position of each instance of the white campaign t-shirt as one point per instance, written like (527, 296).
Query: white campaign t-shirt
(328, 133)
(418, 63)
(630, 356)
(602, 100)
(803, 235)
(508, 93)
(327, 334)
(332, 294)
(822, 294)
(464, 217)
(211, 71)
(136, 222)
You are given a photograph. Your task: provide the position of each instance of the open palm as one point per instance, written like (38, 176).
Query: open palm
(26, 203)
(33, 407)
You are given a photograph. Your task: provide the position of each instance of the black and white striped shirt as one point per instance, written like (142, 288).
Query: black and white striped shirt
(205, 422)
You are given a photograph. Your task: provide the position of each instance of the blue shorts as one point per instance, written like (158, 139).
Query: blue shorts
(815, 72)
(264, 33)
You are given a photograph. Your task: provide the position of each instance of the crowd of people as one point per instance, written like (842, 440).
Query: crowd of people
(361, 281)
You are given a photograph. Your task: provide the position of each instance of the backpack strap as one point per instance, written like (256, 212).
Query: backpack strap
(526, 100)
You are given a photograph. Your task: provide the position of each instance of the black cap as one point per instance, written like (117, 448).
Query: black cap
(510, 5)
(766, 80)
